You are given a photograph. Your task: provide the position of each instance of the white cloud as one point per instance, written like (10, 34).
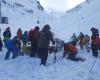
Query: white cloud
(60, 5)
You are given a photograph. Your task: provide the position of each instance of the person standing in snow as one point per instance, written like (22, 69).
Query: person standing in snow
(81, 40)
(74, 38)
(7, 34)
(45, 36)
(19, 33)
(19, 36)
(25, 38)
(87, 42)
(33, 37)
(95, 42)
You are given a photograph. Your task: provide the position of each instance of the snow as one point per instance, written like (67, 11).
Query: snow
(76, 20)
(28, 68)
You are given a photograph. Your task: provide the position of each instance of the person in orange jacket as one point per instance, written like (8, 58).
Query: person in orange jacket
(71, 50)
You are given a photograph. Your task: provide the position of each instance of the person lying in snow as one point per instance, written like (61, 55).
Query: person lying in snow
(71, 50)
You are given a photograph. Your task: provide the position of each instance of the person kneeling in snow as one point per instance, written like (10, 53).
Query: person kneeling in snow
(71, 50)
(12, 46)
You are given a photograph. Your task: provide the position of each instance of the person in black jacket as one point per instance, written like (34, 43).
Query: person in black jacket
(45, 36)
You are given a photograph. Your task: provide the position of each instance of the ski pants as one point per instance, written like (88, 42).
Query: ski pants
(43, 54)
(14, 52)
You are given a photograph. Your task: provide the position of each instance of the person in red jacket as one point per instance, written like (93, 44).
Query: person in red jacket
(19, 33)
(33, 38)
(71, 50)
(95, 43)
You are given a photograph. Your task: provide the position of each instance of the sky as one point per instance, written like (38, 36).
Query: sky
(60, 5)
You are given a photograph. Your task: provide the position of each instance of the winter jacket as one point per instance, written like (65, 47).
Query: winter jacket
(74, 38)
(11, 44)
(87, 38)
(95, 39)
(19, 33)
(33, 35)
(45, 36)
(70, 48)
(7, 35)
(24, 37)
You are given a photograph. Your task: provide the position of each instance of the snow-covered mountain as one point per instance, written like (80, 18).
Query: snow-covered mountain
(79, 19)
(24, 14)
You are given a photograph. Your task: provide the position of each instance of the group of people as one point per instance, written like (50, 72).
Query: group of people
(90, 43)
(36, 42)
(39, 42)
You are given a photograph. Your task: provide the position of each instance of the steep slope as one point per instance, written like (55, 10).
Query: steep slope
(26, 68)
(80, 18)
(24, 14)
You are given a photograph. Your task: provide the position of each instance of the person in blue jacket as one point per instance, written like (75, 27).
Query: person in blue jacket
(12, 46)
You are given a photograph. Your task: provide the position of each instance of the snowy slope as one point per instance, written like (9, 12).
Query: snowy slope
(24, 14)
(78, 19)
(27, 68)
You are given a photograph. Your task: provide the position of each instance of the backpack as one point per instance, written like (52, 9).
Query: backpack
(87, 38)
(83, 40)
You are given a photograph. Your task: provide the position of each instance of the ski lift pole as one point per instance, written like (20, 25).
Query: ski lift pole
(93, 65)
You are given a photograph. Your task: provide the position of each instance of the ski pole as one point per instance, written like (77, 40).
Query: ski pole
(93, 65)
